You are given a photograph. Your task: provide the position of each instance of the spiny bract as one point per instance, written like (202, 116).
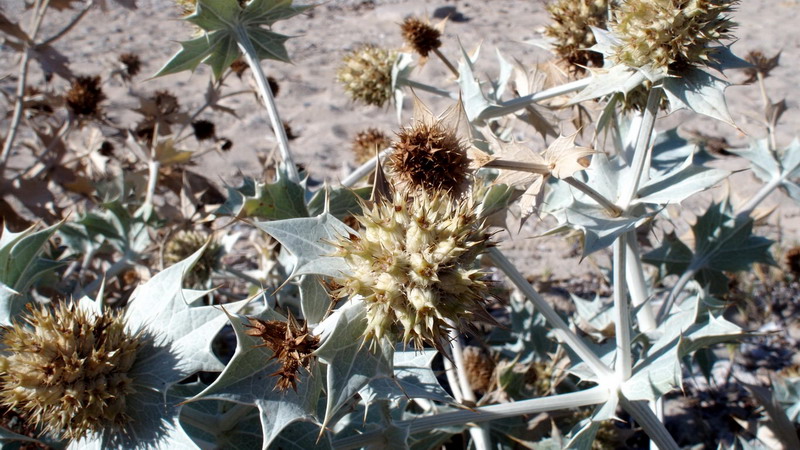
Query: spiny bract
(571, 30)
(67, 370)
(412, 263)
(670, 34)
(183, 244)
(366, 74)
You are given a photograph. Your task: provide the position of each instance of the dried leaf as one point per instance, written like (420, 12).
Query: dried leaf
(565, 157)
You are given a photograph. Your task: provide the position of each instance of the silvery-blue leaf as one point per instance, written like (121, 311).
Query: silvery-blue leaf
(670, 150)
(475, 102)
(700, 92)
(598, 314)
(351, 362)
(412, 378)
(680, 183)
(302, 436)
(309, 240)
(248, 378)
(617, 79)
(499, 85)
(314, 299)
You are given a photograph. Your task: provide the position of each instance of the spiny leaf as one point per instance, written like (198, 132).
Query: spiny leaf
(227, 26)
(309, 240)
(723, 243)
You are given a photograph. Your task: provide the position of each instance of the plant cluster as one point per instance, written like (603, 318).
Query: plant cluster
(143, 306)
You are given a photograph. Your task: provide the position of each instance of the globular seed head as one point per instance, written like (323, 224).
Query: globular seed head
(85, 95)
(366, 74)
(421, 36)
(571, 30)
(670, 34)
(67, 370)
(412, 264)
(183, 244)
(368, 142)
(432, 157)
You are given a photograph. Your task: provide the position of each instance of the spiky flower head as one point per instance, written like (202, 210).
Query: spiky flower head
(412, 262)
(571, 30)
(368, 142)
(131, 65)
(85, 95)
(421, 36)
(670, 34)
(291, 344)
(183, 244)
(366, 74)
(431, 154)
(479, 366)
(66, 370)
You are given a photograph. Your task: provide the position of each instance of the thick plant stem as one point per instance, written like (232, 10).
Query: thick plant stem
(623, 365)
(269, 102)
(480, 435)
(748, 208)
(519, 103)
(637, 285)
(428, 88)
(560, 328)
(612, 209)
(645, 417)
(592, 396)
(642, 146)
(364, 169)
(446, 62)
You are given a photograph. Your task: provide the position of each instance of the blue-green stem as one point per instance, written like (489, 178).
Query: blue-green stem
(427, 88)
(588, 397)
(560, 328)
(637, 285)
(650, 422)
(623, 365)
(520, 103)
(269, 102)
(643, 139)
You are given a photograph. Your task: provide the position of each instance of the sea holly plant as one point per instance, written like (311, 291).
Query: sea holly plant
(398, 319)
(230, 29)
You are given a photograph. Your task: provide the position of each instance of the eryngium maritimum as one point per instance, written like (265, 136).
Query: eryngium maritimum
(670, 34)
(366, 74)
(412, 263)
(66, 371)
(571, 30)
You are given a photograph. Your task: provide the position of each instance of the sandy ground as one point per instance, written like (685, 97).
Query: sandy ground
(325, 119)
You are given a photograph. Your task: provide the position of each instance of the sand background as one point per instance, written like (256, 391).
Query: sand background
(325, 119)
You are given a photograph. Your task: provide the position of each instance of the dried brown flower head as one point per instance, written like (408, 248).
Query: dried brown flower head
(793, 261)
(183, 244)
(291, 344)
(204, 130)
(162, 109)
(571, 30)
(762, 65)
(421, 36)
(67, 370)
(85, 95)
(432, 153)
(368, 142)
(239, 67)
(131, 65)
(480, 368)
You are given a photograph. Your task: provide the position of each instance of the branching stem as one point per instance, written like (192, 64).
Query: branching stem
(269, 102)
(560, 328)
(622, 316)
(428, 88)
(446, 62)
(642, 147)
